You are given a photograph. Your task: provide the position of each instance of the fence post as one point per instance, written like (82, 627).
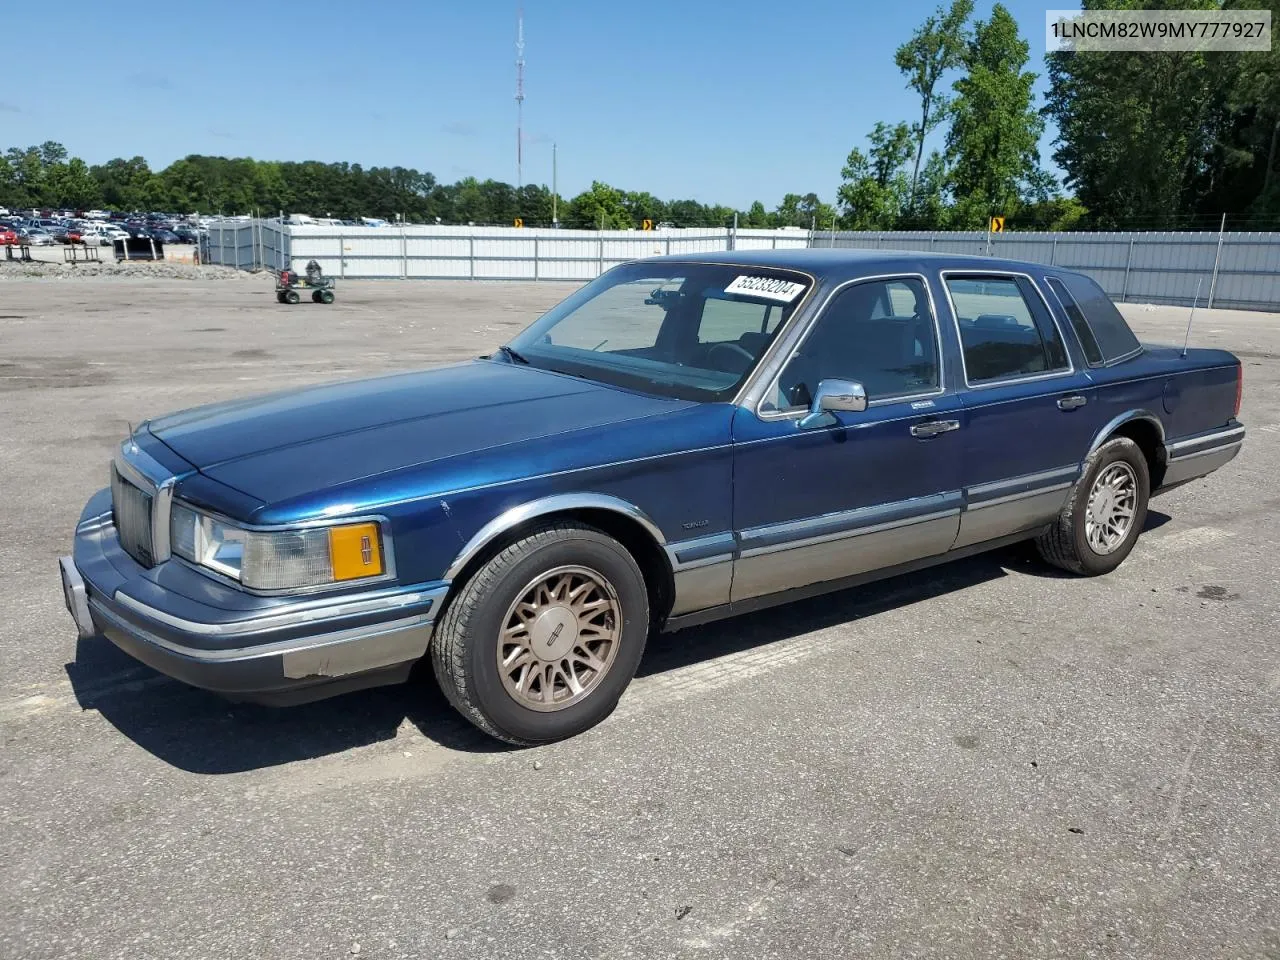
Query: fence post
(600, 266)
(1053, 252)
(342, 261)
(535, 259)
(669, 246)
(471, 254)
(1124, 290)
(1216, 258)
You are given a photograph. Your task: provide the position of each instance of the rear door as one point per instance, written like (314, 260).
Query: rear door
(869, 489)
(1028, 407)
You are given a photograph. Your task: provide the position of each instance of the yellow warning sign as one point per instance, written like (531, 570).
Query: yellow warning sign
(997, 224)
(519, 222)
(646, 224)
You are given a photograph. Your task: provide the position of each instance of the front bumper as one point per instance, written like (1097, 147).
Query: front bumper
(210, 635)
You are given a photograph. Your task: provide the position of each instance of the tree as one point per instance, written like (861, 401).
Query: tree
(875, 189)
(936, 47)
(803, 211)
(600, 208)
(993, 140)
(1133, 131)
(755, 218)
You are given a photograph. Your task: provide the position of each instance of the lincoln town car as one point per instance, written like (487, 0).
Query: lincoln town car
(684, 438)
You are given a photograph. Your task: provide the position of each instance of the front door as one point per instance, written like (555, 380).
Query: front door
(871, 489)
(1028, 410)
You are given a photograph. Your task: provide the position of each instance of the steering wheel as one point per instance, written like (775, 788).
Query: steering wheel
(740, 359)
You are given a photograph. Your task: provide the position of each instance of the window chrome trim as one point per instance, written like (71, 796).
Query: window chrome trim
(955, 319)
(1136, 352)
(384, 529)
(818, 313)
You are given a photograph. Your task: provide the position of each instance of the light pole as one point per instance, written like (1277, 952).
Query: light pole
(555, 221)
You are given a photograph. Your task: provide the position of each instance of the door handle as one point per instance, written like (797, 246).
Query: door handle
(1071, 402)
(934, 427)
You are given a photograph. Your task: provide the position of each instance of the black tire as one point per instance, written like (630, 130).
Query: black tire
(464, 647)
(291, 296)
(279, 296)
(1066, 543)
(326, 296)
(315, 296)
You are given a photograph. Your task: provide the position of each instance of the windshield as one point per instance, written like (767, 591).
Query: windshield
(693, 331)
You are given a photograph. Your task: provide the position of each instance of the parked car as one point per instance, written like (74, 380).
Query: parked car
(8, 236)
(186, 235)
(678, 441)
(35, 237)
(163, 236)
(102, 234)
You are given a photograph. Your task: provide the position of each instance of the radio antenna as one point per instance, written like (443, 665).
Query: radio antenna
(1187, 339)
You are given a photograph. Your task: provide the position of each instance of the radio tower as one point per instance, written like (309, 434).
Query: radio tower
(520, 97)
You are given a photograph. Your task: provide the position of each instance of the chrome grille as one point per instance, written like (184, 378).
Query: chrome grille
(131, 510)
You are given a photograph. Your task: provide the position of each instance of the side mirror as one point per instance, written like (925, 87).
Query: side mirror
(834, 395)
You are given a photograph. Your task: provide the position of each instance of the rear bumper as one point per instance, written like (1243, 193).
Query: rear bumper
(284, 650)
(1197, 456)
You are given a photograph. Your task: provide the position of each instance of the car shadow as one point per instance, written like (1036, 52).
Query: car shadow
(201, 732)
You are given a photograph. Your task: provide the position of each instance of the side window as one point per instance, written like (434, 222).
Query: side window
(1114, 337)
(880, 333)
(732, 321)
(1005, 329)
(1078, 322)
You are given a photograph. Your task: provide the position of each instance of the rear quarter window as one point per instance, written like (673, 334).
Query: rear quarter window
(1114, 338)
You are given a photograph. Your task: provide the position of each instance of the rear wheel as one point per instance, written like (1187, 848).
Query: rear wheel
(326, 296)
(1105, 513)
(291, 296)
(315, 296)
(541, 641)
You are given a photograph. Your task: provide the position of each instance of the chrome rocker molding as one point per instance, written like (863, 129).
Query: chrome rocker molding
(1194, 457)
(561, 503)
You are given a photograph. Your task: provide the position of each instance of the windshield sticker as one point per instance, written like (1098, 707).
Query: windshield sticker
(769, 288)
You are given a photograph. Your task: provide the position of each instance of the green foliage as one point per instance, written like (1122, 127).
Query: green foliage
(993, 141)
(876, 190)
(936, 47)
(1169, 140)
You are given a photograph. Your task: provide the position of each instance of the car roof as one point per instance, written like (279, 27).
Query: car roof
(840, 264)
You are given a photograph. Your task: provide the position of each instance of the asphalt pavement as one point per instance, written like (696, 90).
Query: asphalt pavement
(985, 759)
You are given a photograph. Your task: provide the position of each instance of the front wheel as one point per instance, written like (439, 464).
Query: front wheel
(542, 640)
(1105, 513)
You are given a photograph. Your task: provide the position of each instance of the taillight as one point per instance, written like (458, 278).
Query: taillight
(1239, 388)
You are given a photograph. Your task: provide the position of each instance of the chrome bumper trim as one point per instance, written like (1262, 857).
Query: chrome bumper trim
(292, 615)
(77, 599)
(420, 625)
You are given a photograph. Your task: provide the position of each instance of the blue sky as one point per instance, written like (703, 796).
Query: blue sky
(716, 101)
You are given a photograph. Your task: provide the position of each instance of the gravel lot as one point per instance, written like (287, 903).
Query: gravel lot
(987, 759)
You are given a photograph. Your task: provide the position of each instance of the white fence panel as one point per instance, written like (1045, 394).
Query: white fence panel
(1148, 267)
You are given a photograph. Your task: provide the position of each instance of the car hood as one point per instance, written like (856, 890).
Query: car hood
(288, 444)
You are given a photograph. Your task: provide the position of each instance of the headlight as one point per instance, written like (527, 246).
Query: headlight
(277, 559)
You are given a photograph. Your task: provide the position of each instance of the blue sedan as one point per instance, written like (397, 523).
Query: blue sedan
(680, 440)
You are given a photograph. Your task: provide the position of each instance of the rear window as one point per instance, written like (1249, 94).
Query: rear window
(1115, 339)
(1084, 334)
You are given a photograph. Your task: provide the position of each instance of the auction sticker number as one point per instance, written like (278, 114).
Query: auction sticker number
(769, 288)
